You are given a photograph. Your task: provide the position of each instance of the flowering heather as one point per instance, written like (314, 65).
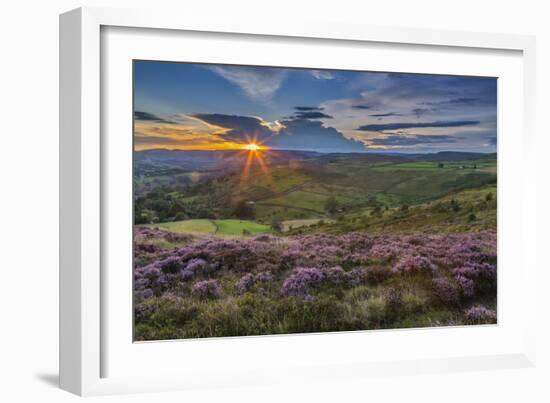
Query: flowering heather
(480, 314)
(445, 291)
(248, 280)
(302, 279)
(482, 275)
(467, 285)
(351, 281)
(144, 233)
(296, 285)
(207, 289)
(414, 264)
(192, 267)
(355, 277)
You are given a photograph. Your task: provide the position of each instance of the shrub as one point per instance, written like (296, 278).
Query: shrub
(393, 297)
(377, 274)
(192, 267)
(466, 285)
(445, 291)
(296, 285)
(207, 289)
(246, 282)
(414, 264)
(479, 314)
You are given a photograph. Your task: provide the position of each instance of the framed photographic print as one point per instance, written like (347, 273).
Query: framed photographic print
(235, 198)
(270, 200)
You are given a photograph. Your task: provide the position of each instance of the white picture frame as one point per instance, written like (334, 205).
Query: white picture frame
(84, 343)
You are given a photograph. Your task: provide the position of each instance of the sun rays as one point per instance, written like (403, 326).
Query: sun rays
(255, 156)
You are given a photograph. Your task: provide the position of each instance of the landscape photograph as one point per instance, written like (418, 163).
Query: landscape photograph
(274, 200)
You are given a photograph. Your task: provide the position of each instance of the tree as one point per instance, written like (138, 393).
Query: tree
(244, 211)
(276, 225)
(455, 205)
(489, 197)
(331, 205)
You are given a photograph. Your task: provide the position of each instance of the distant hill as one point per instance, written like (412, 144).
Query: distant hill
(208, 160)
(451, 156)
(213, 160)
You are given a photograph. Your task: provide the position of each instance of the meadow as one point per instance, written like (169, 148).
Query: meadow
(317, 242)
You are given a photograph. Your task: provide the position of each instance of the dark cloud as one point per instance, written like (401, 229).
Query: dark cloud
(149, 117)
(303, 134)
(362, 106)
(308, 108)
(241, 128)
(297, 134)
(456, 101)
(312, 115)
(419, 112)
(396, 126)
(400, 141)
(383, 115)
(309, 112)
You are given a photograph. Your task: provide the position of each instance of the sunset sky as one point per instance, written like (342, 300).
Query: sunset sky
(202, 106)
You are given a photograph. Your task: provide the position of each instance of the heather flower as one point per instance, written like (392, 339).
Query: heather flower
(207, 289)
(171, 264)
(145, 293)
(192, 267)
(244, 284)
(480, 314)
(355, 277)
(335, 275)
(445, 291)
(414, 264)
(297, 283)
(482, 275)
(466, 285)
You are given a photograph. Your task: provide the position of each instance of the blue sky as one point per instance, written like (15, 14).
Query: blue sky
(201, 106)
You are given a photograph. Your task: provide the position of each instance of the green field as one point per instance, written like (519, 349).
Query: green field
(291, 224)
(485, 165)
(199, 226)
(237, 227)
(222, 228)
(466, 210)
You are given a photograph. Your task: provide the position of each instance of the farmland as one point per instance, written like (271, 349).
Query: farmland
(222, 228)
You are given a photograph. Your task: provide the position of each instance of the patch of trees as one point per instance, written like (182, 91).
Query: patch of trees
(244, 210)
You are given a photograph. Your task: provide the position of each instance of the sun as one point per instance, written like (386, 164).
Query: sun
(252, 147)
